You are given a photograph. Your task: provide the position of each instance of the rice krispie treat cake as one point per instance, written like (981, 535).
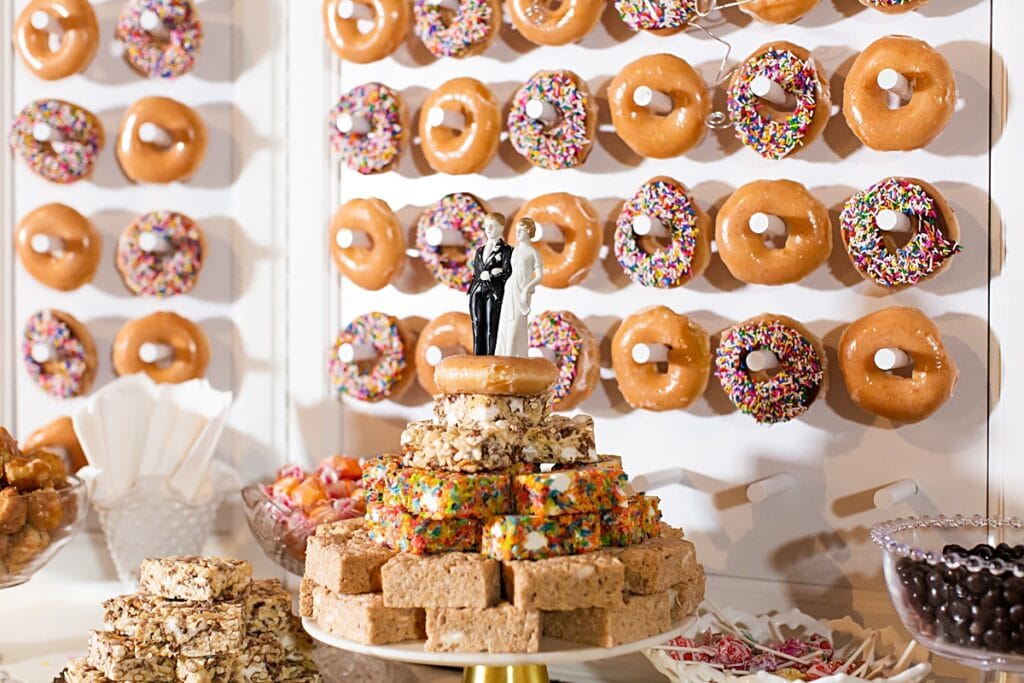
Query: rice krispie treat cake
(503, 628)
(446, 580)
(564, 583)
(466, 448)
(348, 561)
(640, 616)
(364, 618)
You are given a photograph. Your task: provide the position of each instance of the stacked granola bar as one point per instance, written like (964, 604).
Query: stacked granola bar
(201, 620)
(499, 524)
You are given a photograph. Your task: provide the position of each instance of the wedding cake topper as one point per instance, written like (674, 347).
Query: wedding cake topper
(504, 280)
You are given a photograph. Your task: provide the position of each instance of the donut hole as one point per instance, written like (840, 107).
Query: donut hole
(777, 240)
(894, 241)
(455, 254)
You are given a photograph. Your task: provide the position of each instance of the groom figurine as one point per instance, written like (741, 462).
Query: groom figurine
(492, 266)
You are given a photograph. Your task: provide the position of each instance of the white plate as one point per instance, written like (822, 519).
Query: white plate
(552, 650)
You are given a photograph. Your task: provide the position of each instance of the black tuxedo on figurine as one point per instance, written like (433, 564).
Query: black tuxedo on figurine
(485, 295)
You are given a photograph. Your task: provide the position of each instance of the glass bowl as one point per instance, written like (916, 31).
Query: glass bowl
(962, 605)
(53, 518)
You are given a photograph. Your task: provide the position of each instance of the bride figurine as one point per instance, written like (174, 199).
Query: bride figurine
(527, 271)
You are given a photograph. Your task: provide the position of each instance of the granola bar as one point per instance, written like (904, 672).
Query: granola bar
(561, 439)
(465, 448)
(195, 578)
(468, 409)
(195, 629)
(120, 659)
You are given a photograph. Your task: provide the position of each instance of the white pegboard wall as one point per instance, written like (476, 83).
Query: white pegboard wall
(817, 533)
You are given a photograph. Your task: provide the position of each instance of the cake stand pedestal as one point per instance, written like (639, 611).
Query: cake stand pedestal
(484, 667)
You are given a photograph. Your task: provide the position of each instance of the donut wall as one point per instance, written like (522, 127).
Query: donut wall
(239, 287)
(826, 466)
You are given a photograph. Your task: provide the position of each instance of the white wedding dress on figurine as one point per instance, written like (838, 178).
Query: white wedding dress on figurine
(527, 270)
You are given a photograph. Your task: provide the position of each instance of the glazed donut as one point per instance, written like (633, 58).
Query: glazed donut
(161, 254)
(570, 21)
(463, 30)
(58, 140)
(658, 335)
(57, 437)
(676, 104)
(781, 344)
(160, 141)
(922, 83)
(460, 126)
(448, 234)
(368, 128)
(796, 104)
(449, 334)
(896, 338)
(662, 208)
(59, 353)
(894, 6)
(910, 204)
(67, 25)
(570, 221)
(662, 17)
(58, 246)
(165, 346)
(160, 38)
(373, 358)
(367, 244)
(563, 339)
(761, 210)
(495, 375)
(341, 24)
(553, 119)
(777, 11)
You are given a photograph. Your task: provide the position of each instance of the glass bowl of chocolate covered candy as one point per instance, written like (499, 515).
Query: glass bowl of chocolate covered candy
(958, 585)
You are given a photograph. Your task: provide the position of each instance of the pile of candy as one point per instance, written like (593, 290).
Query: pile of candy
(796, 659)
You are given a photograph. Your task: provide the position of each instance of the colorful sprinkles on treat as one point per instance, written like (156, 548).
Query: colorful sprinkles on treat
(652, 15)
(62, 162)
(757, 130)
(925, 253)
(529, 537)
(785, 395)
(633, 521)
(64, 376)
(152, 55)
(553, 330)
(444, 495)
(470, 26)
(377, 150)
(377, 472)
(161, 274)
(564, 144)
(376, 382)
(666, 267)
(451, 265)
(410, 533)
(568, 492)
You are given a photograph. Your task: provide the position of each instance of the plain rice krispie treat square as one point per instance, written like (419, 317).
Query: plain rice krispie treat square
(267, 606)
(564, 583)
(187, 629)
(684, 598)
(503, 628)
(446, 580)
(80, 671)
(195, 578)
(342, 529)
(642, 616)
(657, 563)
(212, 669)
(365, 619)
(466, 448)
(347, 563)
(121, 660)
(561, 439)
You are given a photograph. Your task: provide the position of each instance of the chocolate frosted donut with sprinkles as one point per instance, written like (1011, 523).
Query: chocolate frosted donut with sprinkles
(372, 358)
(574, 351)
(779, 100)
(662, 238)
(467, 30)
(457, 219)
(873, 220)
(658, 16)
(785, 377)
(368, 128)
(59, 354)
(58, 140)
(894, 6)
(161, 253)
(139, 29)
(553, 120)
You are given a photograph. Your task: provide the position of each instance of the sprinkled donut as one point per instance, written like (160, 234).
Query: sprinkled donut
(368, 128)
(658, 16)
(59, 353)
(663, 203)
(775, 130)
(344, 24)
(777, 11)
(382, 366)
(154, 55)
(576, 354)
(894, 6)
(563, 133)
(567, 261)
(451, 265)
(58, 140)
(72, 26)
(161, 254)
(550, 24)
(928, 252)
(467, 30)
(800, 361)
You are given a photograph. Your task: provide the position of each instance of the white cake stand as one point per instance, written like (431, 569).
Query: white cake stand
(484, 667)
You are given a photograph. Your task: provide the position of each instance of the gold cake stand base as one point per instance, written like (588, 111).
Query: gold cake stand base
(531, 673)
